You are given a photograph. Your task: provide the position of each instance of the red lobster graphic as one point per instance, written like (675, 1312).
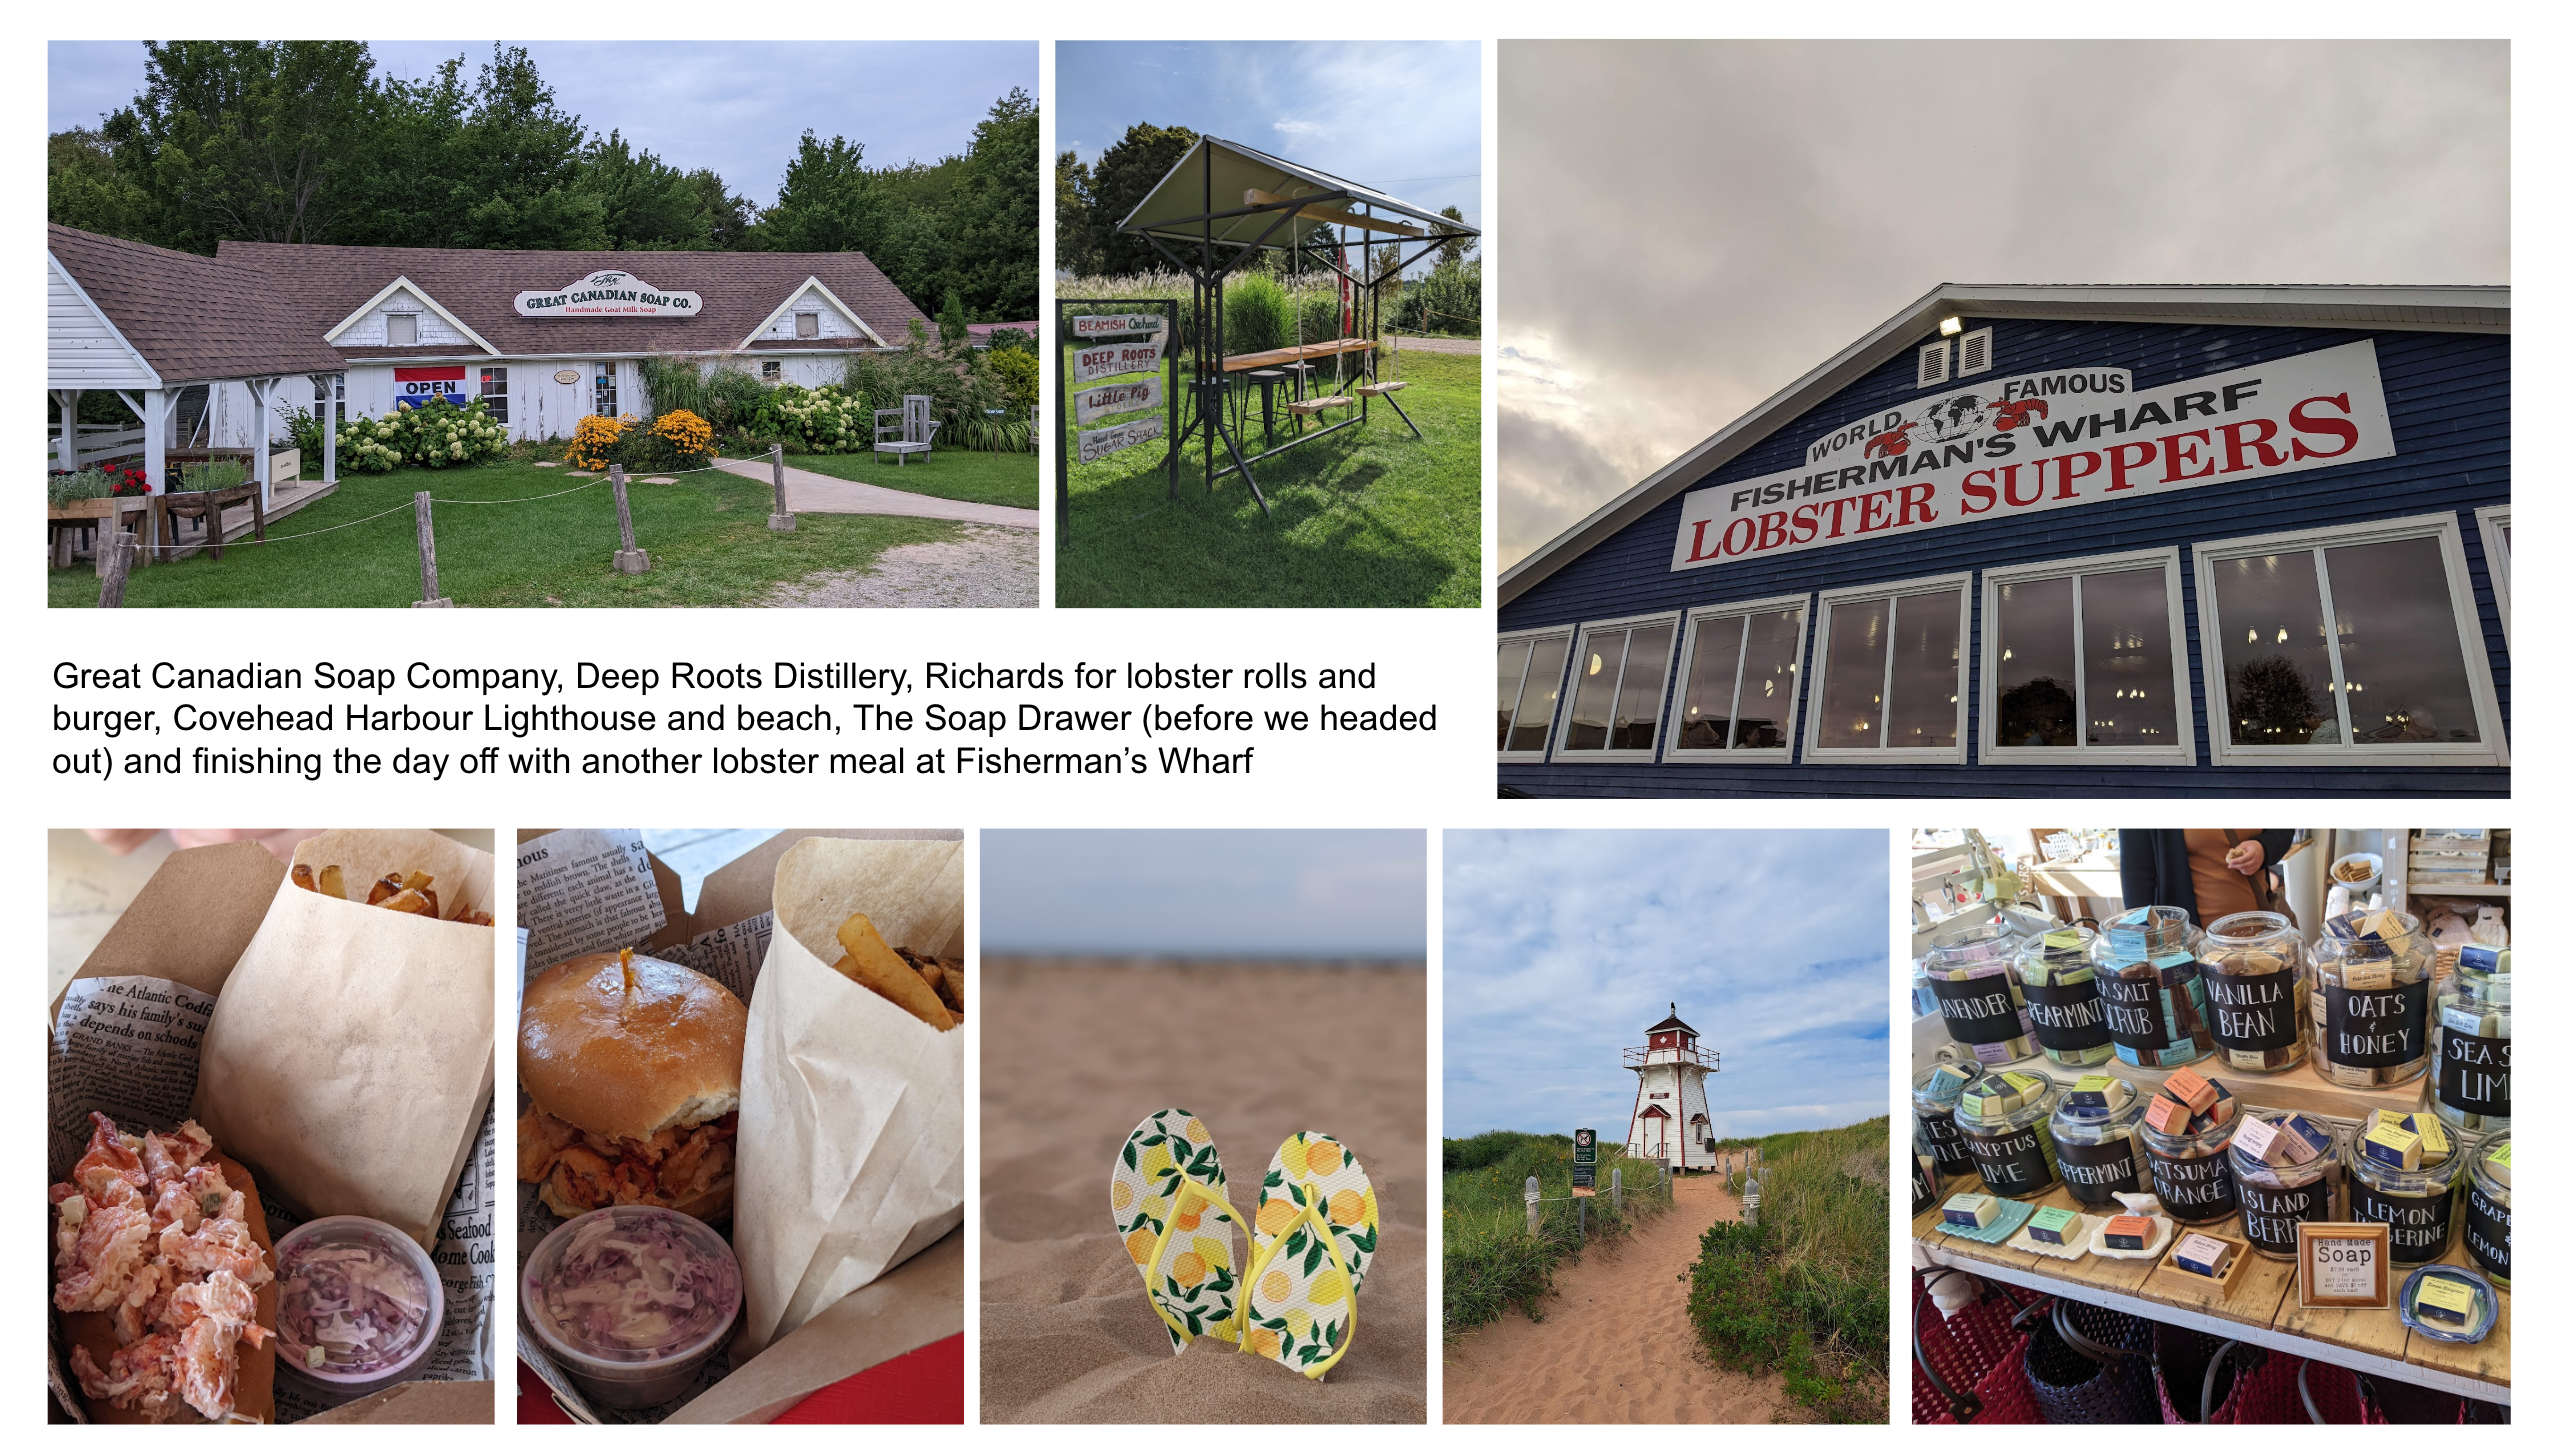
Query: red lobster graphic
(2010, 414)
(1893, 441)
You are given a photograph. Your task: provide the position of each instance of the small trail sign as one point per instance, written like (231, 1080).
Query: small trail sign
(1586, 1159)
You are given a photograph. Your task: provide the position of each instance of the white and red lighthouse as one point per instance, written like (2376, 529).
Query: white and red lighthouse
(1670, 1120)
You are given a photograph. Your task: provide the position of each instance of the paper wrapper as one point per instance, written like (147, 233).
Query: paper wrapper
(354, 1052)
(849, 1120)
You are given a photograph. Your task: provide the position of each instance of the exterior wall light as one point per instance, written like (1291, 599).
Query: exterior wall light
(1952, 325)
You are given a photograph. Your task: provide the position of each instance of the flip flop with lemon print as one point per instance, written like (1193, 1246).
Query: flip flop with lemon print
(1315, 1231)
(1169, 1198)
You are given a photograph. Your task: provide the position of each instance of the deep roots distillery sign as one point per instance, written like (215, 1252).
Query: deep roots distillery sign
(2032, 443)
(608, 292)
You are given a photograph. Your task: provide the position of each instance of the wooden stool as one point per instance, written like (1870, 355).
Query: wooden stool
(1266, 379)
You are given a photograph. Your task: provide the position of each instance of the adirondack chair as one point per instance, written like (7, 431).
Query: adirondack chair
(913, 428)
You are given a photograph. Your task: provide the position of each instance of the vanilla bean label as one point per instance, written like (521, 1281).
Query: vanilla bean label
(2251, 1012)
(2270, 1213)
(2421, 1225)
(1946, 1142)
(2192, 1189)
(2485, 1224)
(1978, 1012)
(2471, 1073)
(2015, 1163)
(2094, 1173)
(2067, 1017)
(2377, 1028)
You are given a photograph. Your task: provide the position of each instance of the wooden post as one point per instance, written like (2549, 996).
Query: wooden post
(1533, 1204)
(331, 404)
(1581, 1217)
(630, 559)
(426, 503)
(115, 563)
(781, 518)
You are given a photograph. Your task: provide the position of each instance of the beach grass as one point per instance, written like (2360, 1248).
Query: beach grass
(1491, 1262)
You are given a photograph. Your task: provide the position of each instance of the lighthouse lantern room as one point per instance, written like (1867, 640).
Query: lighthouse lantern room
(1670, 1121)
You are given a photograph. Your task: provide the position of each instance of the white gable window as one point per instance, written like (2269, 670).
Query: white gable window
(400, 329)
(804, 325)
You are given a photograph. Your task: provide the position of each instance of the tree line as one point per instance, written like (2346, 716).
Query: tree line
(303, 142)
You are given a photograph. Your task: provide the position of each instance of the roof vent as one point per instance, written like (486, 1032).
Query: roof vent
(1933, 364)
(1973, 352)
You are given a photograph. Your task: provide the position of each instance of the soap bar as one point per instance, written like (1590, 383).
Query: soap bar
(2096, 1095)
(2190, 1089)
(2259, 1141)
(2489, 959)
(2127, 1232)
(2381, 1119)
(1991, 1096)
(1972, 1210)
(2391, 1146)
(2433, 1144)
(2166, 1116)
(2447, 1302)
(1946, 1082)
(2054, 1225)
(2310, 1142)
(2494, 1164)
(2204, 1255)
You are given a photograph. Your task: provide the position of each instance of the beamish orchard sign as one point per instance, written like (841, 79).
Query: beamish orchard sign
(608, 292)
(2033, 443)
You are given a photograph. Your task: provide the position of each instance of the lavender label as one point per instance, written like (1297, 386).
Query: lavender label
(2270, 1214)
(2094, 1173)
(1978, 1012)
(2193, 1189)
(2377, 1029)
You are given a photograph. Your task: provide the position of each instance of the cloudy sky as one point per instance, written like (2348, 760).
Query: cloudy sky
(1405, 118)
(1687, 227)
(1203, 892)
(711, 103)
(1560, 946)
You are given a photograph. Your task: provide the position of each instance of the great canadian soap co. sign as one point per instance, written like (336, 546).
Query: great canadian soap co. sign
(608, 292)
(2041, 442)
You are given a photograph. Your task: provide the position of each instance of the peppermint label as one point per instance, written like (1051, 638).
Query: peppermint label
(2133, 1011)
(1947, 1143)
(2471, 1073)
(2421, 1225)
(1978, 1012)
(2251, 1012)
(2016, 1163)
(2270, 1214)
(2485, 1223)
(2094, 1173)
(2067, 1017)
(2196, 1189)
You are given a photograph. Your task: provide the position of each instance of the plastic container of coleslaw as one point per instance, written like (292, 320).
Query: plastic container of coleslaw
(631, 1300)
(358, 1305)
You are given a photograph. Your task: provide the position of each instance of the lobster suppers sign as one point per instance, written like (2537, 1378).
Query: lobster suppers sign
(2032, 443)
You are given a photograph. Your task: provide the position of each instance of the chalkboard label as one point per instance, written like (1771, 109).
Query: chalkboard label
(1979, 1012)
(2067, 1017)
(2377, 1029)
(2252, 1012)
(2471, 1073)
(2133, 1011)
(1947, 1143)
(2094, 1173)
(2013, 1163)
(2485, 1223)
(1923, 1193)
(2421, 1225)
(2192, 1189)
(2271, 1214)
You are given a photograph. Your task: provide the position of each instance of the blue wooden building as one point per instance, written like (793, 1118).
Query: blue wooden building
(2053, 540)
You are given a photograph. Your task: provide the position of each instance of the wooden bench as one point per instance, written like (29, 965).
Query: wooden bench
(208, 505)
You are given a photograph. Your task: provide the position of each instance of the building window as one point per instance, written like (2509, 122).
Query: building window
(2085, 661)
(2355, 644)
(1737, 683)
(1528, 678)
(805, 325)
(1933, 364)
(2497, 541)
(1973, 352)
(493, 391)
(1888, 673)
(399, 329)
(773, 372)
(1614, 703)
(608, 402)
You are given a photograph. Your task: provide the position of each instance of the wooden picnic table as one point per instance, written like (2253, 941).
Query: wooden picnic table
(1286, 353)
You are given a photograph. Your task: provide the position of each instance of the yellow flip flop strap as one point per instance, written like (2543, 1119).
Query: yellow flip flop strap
(1164, 1240)
(1262, 1256)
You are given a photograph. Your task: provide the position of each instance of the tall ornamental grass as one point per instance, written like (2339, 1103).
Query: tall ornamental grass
(1490, 1261)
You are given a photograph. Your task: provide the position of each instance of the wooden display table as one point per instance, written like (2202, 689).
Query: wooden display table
(1287, 353)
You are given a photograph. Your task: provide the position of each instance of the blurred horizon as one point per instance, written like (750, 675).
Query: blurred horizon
(1253, 894)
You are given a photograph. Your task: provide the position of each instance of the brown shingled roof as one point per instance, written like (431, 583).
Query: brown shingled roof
(194, 318)
(739, 290)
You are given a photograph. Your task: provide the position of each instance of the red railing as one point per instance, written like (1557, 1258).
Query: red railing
(1639, 1056)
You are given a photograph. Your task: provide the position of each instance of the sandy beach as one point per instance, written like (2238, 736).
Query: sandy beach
(1616, 1346)
(1074, 1055)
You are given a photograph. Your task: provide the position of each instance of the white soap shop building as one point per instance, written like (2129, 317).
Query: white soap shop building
(544, 337)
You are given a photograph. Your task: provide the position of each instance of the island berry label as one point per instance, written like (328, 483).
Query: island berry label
(2270, 1214)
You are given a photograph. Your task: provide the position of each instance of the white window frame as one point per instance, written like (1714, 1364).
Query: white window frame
(2445, 527)
(1987, 724)
(1784, 755)
(1946, 364)
(807, 332)
(770, 372)
(1557, 754)
(1554, 722)
(415, 338)
(1962, 583)
(1962, 348)
(2493, 543)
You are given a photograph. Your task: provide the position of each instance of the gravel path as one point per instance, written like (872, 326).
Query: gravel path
(988, 567)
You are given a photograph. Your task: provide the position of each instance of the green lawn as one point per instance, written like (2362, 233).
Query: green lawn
(1369, 517)
(705, 536)
(988, 477)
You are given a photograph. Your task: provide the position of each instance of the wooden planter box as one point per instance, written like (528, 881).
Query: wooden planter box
(98, 509)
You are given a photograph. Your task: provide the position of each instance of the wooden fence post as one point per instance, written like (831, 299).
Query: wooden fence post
(630, 559)
(1581, 1217)
(781, 518)
(426, 504)
(115, 564)
(1533, 1204)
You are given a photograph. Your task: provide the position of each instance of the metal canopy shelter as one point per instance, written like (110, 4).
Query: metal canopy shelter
(1220, 204)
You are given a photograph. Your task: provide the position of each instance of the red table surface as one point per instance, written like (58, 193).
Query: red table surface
(921, 1387)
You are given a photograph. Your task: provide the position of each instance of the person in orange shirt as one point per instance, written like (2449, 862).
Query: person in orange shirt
(2207, 873)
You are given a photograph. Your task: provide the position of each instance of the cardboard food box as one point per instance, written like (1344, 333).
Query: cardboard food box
(130, 1030)
(581, 892)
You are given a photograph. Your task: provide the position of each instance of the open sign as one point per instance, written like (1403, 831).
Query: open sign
(425, 384)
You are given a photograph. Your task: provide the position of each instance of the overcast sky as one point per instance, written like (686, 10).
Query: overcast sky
(1203, 892)
(718, 103)
(1560, 946)
(1687, 227)
(1403, 117)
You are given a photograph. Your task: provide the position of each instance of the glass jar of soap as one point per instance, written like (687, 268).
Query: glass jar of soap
(2192, 1173)
(1933, 1115)
(2488, 1208)
(2152, 987)
(1924, 1176)
(2099, 1155)
(2275, 1198)
(2467, 1077)
(2012, 1144)
(2417, 1203)
(2058, 985)
(2258, 992)
(1974, 975)
(2372, 1015)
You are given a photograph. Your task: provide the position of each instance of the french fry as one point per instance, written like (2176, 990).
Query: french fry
(409, 902)
(302, 877)
(333, 881)
(383, 889)
(870, 963)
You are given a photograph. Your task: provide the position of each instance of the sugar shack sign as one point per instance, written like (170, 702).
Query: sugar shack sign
(2034, 443)
(1101, 327)
(608, 292)
(1092, 445)
(1100, 362)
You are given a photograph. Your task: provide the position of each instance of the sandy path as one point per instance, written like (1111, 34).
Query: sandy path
(986, 567)
(1616, 1346)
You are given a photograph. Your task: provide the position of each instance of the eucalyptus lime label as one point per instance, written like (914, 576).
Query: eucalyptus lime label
(2014, 1162)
